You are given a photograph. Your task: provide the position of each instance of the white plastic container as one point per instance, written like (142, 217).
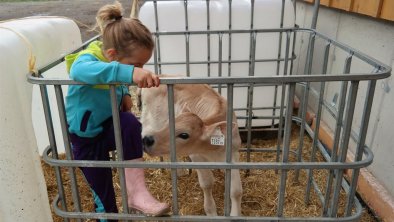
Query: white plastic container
(267, 14)
(22, 185)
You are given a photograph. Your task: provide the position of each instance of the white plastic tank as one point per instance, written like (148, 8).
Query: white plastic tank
(22, 184)
(266, 14)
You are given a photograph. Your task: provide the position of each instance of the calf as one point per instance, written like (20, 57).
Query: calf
(200, 119)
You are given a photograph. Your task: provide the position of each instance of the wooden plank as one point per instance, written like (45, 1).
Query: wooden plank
(325, 2)
(342, 4)
(367, 7)
(387, 10)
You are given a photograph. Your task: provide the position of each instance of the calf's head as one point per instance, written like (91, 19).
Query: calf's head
(192, 136)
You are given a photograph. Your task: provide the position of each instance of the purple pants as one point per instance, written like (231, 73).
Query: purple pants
(98, 148)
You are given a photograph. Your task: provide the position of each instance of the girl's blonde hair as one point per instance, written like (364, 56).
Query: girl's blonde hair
(123, 34)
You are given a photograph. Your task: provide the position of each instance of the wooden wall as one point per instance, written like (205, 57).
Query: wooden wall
(381, 9)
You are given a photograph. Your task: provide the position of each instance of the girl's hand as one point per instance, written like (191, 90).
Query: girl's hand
(126, 103)
(144, 78)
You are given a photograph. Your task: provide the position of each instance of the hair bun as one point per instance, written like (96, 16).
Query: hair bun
(118, 17)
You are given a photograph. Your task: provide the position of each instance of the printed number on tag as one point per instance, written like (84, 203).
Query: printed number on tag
(217, 140)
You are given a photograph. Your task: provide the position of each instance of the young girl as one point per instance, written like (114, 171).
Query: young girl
(126, 46)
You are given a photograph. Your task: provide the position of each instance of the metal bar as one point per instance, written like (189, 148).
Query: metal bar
(286, 148)
(52, 143)
(229, 36)
(186, 16)
(67, 147)
(119, 145)
(280, 128)
(286, 62)
(208, 41)
(361, 144)
(187, 38)
(156, 55)
(121, 216)
(344, 143)
(315, 14)
(213, 165)
(233, 80)
(250, 96)
(338, 128)
(317, 124)
(220, 60)
(304, 101)
(252, 14)
(157, 69)
(283, 95)
(279, 56)
(171, 119)
(229, 149)
(293, 52)
(214, 62)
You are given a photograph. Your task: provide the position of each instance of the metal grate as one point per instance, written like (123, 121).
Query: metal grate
(284, 81)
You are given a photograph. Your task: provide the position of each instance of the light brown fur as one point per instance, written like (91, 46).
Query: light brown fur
(200, 112)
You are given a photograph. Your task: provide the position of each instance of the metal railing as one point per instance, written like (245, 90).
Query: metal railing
(287, 81)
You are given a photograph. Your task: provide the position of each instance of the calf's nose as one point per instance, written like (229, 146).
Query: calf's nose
(148, 140)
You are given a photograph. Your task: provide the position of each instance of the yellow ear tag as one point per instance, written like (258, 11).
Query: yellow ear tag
(217, 138)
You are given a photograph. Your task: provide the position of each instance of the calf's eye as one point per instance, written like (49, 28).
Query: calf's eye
(183, 136)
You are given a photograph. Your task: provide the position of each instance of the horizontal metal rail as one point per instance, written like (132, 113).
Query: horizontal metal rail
(211, 165)
(123, 216)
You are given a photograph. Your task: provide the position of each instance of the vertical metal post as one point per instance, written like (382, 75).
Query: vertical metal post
(208, 42)
(283, 95)
(337, 133)
(229, 36)
(293, 55)
(171, 119)
(229, 148)
(119, 146)
(252, 57)
(158, 55)
(286, 150)
(187, 38)
(344, 144)
(220, 60)
(52, 143)
(304, 102)
(317, 125)
(360, 145)
(278, 62)
(63, 124)
(315, 14)
(250, 96)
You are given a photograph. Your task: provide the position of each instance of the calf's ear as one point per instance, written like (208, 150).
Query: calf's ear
(218, 129)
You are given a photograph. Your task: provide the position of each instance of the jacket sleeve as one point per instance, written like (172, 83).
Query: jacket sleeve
(90, 70)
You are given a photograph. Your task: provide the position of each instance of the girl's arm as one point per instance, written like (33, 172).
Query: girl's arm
(90, 70)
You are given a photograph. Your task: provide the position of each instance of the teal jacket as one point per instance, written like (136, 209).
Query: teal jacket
(89, 105)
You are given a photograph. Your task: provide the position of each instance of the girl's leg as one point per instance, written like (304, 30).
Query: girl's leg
(139, 196)
(99, 179)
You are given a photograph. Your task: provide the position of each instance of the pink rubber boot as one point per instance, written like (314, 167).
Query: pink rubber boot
(139, 198)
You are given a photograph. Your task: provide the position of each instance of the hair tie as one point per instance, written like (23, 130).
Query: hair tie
(118, 17)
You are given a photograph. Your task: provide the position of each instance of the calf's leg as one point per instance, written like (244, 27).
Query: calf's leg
(206, 180)
(235, 193)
